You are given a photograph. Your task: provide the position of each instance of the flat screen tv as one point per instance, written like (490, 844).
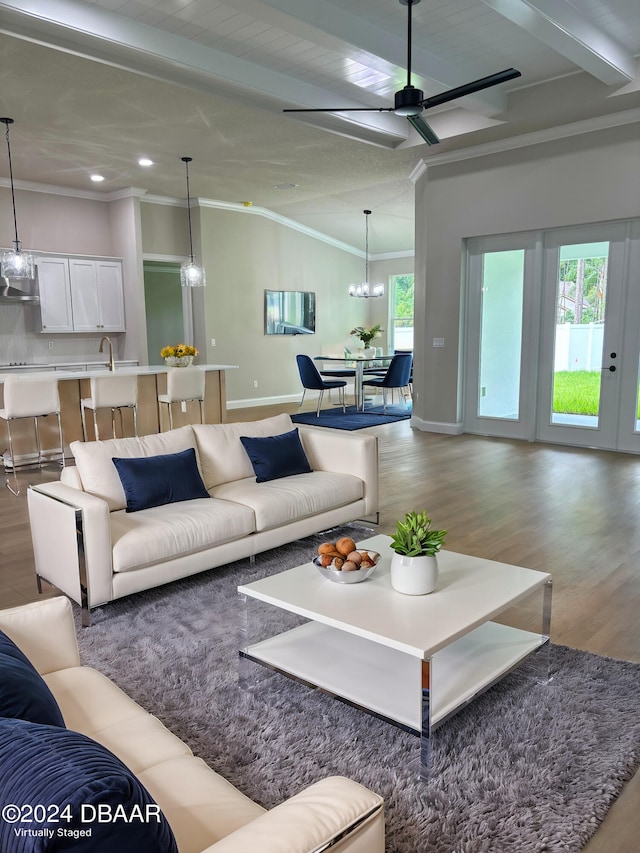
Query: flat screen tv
(289, 312)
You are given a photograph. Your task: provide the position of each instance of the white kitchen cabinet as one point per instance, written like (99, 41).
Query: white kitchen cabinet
(81, 295)
(96, 295)
(55, 295)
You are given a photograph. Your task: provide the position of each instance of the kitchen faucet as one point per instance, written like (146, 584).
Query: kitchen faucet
(112, 364)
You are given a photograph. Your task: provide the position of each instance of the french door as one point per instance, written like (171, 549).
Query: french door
(553, 336)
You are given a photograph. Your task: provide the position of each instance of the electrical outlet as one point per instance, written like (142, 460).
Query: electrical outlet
(438, 342)
(255, 383)
(50, 344)
(213, 342)
(183, 405)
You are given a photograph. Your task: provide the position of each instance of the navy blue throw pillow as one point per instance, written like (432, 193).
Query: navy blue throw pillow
(276, 456)
(157, 480)
(60, 790)
(24, 694)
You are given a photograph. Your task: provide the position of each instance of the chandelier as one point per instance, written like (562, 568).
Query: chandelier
(365, 290)
(15, 263)
(191, 275)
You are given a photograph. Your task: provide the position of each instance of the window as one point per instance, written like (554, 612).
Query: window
(402, 311)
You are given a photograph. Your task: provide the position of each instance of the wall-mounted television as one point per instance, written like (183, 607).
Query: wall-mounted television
(289, 312)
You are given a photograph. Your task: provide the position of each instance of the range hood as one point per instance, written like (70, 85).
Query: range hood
(10, 293)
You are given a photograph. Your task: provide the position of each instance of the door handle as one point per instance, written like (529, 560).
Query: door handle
(611, 368)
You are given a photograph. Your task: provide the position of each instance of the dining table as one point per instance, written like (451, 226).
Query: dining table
(361, 364)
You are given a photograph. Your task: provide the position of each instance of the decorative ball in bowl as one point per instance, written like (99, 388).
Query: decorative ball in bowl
(343, 562)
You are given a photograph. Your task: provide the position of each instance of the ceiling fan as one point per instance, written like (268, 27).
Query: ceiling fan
(410, 102)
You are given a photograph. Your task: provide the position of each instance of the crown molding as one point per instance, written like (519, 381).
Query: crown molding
(538, 137)
(143, 195)
(389, 256)
(91, 195)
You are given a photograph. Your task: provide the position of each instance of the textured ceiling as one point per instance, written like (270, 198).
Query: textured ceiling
(94, 86)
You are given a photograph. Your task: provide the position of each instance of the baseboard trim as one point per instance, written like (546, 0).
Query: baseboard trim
(436, 426)
(262, 401)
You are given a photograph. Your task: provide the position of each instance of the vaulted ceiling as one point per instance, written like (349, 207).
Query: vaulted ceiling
(93, 86)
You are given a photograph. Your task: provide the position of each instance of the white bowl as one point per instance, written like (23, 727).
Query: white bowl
(338, 576)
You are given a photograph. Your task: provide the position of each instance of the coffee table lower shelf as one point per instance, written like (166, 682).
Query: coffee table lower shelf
(388, 682)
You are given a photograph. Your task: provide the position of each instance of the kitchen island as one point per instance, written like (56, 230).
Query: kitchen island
(74, 384)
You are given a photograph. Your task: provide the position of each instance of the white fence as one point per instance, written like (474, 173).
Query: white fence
(579, 346)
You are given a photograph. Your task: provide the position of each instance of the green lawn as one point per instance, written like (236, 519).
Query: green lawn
(577, 392)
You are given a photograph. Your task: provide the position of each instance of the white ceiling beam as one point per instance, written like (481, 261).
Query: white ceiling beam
(100, 35)
(561, 27)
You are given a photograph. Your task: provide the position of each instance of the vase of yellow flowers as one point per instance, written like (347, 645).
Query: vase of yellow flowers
(178, 355)
(365, 336)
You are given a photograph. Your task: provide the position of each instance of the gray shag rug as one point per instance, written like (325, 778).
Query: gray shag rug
(525, 768)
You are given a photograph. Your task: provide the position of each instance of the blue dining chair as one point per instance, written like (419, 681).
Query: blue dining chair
(397, 376)
(313, 381)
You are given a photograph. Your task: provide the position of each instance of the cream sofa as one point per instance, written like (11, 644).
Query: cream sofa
(205, 812)
(87, 545)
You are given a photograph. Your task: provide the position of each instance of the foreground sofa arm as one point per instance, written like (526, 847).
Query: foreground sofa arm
(345, 453)
(45, 632)
(335, 814)
(71, 536)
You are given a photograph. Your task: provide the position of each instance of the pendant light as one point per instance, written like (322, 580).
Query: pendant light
(365, 290)
(16, 263)
(191, 275)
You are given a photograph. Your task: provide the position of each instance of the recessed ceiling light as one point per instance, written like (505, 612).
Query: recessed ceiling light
(144, 161)
(97, 178)
(285, 186)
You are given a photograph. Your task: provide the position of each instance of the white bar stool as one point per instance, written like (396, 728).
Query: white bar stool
(184, 384)
(30, 398)
(111, 392)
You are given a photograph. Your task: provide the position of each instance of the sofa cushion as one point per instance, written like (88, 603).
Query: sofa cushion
(220, 451)
(23, 692)
(96, 468)
(286, 500)
(201, 806)
(53, 767)
(165, 532)
(276, 456)
(158, 480)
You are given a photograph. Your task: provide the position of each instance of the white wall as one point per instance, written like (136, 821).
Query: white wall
(582, 179)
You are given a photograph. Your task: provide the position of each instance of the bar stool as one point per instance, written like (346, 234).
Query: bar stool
(111, 392)
(30, 398)
(184, 384)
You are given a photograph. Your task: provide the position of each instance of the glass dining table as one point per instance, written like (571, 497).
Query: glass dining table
(360, 364)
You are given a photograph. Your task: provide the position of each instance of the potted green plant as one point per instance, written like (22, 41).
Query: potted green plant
(414, 566)
(366, 335)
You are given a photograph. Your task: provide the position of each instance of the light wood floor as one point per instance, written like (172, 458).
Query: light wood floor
(572, 512)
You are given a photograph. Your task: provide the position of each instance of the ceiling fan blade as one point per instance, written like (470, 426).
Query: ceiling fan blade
(342, 110)
(470, 88)
(423, 129)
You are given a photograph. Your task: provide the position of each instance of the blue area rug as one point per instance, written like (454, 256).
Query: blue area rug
(352, 418)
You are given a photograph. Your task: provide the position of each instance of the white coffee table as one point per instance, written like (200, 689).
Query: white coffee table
(412, 660)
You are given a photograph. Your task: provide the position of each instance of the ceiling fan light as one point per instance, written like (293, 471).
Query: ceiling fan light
(407, 102)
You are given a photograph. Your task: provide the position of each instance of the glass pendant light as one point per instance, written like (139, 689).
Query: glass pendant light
(191, 275)
(365, 290)
(15, 263)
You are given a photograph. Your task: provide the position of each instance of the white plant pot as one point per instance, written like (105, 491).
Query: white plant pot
(414, 575)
